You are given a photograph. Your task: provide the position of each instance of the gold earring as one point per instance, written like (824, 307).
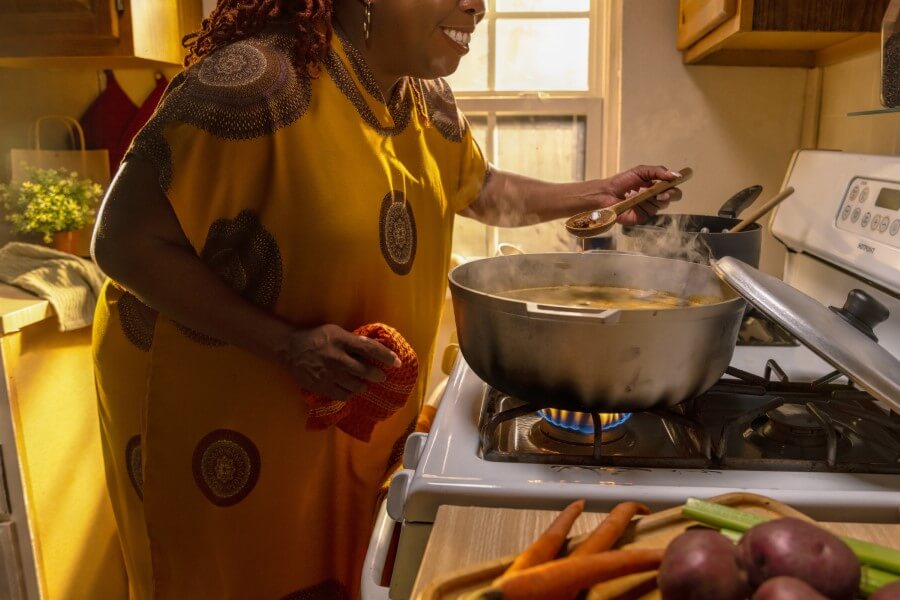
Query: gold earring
(367, 22)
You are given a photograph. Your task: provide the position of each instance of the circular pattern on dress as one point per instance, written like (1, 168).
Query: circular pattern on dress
(226, 466)
(236, 65)
(137, 321)
(244, 90)
(245, 255)
(133, 465)
(397, 231)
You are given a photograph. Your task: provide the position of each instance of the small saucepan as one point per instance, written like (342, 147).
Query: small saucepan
(694, 237)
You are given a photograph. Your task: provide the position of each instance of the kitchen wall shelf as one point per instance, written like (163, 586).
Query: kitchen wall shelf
(793, 33)
(97, 34)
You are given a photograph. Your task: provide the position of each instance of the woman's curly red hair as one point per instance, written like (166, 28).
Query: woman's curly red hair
(234, 20)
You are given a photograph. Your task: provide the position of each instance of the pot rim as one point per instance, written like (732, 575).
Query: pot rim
(697, 312)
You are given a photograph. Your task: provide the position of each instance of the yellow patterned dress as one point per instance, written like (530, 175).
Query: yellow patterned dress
(315, 200)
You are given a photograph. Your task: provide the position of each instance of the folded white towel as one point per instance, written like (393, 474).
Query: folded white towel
(71, 284)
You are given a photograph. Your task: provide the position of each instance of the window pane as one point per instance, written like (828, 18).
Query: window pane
(548, 148)
(472, 74)
(543, 5)
(542, 54)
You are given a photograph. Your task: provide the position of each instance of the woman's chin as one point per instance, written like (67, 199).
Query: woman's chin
(441, 66)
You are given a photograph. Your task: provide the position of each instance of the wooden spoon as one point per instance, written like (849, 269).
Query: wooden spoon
(595, 222)
(762, 210)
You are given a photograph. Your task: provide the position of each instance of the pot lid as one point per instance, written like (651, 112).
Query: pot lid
(843, 337)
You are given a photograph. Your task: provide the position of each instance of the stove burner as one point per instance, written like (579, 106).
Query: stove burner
(578, 427)
(748, 422)
(793, 424)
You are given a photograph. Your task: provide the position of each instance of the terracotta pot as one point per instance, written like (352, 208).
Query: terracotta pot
(66, 241)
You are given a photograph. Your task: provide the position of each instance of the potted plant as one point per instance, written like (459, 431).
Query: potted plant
(55, 203)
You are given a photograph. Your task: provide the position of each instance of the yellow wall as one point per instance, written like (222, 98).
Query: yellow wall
(855, 85)
(26, 94)
(736, 126)
(29, 93)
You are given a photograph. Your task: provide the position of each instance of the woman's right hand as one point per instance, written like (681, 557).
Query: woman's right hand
(335, 363)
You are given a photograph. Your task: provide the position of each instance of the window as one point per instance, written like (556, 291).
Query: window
(530, 89)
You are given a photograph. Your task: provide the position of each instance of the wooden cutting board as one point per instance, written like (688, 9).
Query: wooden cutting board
(470, 546)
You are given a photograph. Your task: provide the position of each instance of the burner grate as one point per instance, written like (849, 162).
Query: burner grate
(729, 427)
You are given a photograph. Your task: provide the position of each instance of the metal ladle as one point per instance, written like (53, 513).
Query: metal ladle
(596, 222)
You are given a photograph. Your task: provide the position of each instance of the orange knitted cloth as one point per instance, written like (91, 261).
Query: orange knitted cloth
(360, 413)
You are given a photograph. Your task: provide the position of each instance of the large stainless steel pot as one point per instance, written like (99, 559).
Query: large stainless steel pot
(587, 359)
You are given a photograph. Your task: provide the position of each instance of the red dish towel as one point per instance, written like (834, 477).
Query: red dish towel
(360, 413)
(105, 119)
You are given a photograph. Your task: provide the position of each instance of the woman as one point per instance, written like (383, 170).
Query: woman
(273, 204)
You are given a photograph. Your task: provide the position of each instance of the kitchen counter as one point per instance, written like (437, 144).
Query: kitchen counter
(467, 536)
(19, 309)
(59, 518)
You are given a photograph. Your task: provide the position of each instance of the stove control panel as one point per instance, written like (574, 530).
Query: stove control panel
(871, 208)
(845, 210)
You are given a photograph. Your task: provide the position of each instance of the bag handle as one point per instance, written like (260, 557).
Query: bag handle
(72, 125)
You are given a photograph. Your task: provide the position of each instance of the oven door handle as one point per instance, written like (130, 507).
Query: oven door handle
(376, 555)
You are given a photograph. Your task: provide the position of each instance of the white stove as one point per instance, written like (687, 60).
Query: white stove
(732, 438)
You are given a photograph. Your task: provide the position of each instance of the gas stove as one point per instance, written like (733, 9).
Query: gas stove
(746, 421)
(781, 422)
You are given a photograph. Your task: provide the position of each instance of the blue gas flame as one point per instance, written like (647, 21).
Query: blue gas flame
(581, 422)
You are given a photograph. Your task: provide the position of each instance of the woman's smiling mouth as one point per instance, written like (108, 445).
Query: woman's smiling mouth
(459, 37)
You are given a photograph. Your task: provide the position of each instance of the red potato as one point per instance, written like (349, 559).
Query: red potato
(800, 549)
(888, 592)
(702, 564)
(787, 588)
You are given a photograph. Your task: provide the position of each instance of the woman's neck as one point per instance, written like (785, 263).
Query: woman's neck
(349, 23)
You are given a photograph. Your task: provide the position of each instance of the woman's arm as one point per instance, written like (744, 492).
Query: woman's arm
(139, 243)
(510, 200)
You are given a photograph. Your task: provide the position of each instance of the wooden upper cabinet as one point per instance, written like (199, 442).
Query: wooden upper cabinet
(95, 33)
(803, 33)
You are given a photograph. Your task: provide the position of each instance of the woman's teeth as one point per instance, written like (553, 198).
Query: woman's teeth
(460, 37)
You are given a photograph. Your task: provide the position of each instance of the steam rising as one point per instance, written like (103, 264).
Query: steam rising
(671, 236)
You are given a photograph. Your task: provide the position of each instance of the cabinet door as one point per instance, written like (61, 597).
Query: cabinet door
(696, 18)
(94, 22)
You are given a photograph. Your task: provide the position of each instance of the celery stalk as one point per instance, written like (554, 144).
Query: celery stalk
(721, 517)
(731, 534)
(880, 557)
(872, 579)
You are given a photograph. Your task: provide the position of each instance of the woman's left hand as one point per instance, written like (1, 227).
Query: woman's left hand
(619, 187)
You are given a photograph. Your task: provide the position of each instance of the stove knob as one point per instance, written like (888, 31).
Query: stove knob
(863, 312)
(412, 451)
(396, 496)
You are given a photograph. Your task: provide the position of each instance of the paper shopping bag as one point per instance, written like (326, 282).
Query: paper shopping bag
(89, 164)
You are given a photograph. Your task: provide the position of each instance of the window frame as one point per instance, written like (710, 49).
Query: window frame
(589, 103)
(490, 105)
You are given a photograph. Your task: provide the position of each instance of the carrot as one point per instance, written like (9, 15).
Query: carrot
(547, 546)
(610, 529)
(564, 578)
(628, 587)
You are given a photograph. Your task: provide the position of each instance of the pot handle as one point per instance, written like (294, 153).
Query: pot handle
(604, 316)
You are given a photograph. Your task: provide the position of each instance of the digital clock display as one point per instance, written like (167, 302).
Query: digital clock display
(889, 199)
